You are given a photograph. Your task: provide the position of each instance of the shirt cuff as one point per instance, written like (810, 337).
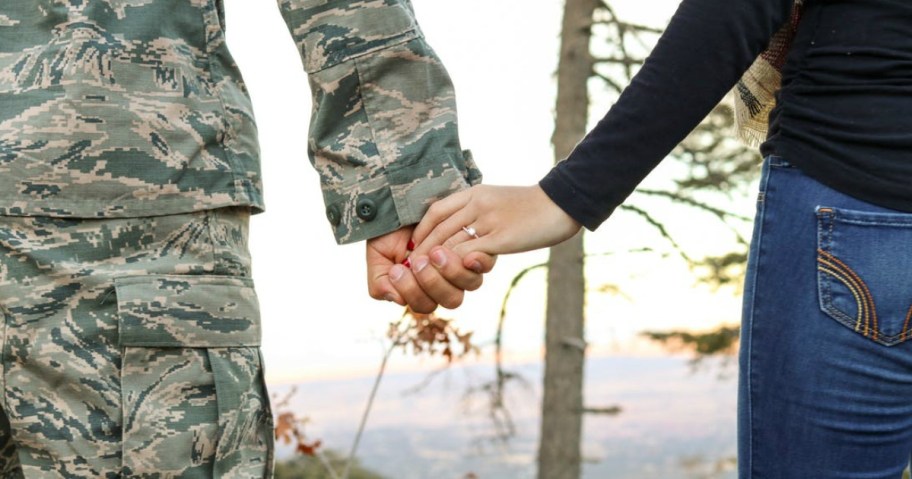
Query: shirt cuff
(562, 192)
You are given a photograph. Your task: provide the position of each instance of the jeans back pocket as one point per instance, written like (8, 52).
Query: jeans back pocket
(864, 271)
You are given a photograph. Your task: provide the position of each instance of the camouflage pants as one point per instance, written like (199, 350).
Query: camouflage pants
(130, 348)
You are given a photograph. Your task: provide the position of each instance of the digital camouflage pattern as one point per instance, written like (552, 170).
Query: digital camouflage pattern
(121, 108)
(125, 108)
(395, 147)
(131, 349)
(129, 167)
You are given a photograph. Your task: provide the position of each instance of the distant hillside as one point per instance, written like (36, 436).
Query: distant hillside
(674, 423)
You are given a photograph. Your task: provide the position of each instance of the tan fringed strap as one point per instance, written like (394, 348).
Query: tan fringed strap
(755, 94)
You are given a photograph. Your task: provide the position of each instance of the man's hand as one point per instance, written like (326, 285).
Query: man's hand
(438, 278)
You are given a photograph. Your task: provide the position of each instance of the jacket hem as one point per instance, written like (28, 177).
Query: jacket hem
(14, 206)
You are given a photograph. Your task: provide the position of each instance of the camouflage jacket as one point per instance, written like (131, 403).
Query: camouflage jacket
(115, 108)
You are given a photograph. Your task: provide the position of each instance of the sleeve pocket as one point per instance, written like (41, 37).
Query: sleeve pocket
(341, 33)
(384, 122)
(863, 270)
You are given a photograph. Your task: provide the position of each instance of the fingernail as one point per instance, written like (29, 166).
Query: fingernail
(439, 258)
(396, 273)
(407, 263)
(410, 246)
(389, 297)
(420, 264)
(475, 266)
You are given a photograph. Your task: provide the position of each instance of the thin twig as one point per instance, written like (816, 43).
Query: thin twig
(718, 212)
(499, 413)
(326, 464)
(625, 61)
(428, 379)
(370, 403)
(662, 230)
(627, 25)
(498, 338)
(605, 78)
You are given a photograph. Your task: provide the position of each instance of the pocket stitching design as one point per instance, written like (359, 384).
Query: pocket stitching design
(847, 276)
(905, 329)
(838, 270)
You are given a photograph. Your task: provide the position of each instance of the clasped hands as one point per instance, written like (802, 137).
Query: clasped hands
(447, 261)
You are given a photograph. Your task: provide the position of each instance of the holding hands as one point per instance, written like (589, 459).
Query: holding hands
(456, 243)
(430, 278)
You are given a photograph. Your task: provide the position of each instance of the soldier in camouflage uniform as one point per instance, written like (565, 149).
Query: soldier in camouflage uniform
(129, 168)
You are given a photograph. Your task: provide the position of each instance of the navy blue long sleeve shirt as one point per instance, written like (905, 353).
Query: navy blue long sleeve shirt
(843, 115)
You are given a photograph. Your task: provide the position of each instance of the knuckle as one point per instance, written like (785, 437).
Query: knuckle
(429, 278)
(374, 292)
(487, 266)
(452, 301)
(434, 210)
(475, 284)
(455, 272)
(424, 307)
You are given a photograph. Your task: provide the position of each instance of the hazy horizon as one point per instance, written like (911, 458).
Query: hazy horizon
(674, 422)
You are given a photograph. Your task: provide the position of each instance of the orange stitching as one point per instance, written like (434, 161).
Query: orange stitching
(906, 326)
(864, 287)
(862, 306)
(868, 301)
(850, 281)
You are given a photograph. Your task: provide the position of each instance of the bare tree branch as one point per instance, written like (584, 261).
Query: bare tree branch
(613, 19)
(718, 212)
(661, 228)
(625, 61)
(613, 84)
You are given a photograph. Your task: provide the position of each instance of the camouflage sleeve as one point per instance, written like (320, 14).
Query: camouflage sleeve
(383, 134)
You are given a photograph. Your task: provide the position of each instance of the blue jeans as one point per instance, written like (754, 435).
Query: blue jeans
(825, 386)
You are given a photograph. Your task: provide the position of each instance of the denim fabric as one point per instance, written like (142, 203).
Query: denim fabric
(825, 389)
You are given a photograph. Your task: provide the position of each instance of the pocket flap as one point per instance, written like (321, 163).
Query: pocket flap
(342, 30)
(187, 311)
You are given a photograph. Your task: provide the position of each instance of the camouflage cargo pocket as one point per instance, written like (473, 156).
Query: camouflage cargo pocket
(194, 402)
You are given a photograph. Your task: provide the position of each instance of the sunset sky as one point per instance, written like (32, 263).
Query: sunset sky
(319, 321)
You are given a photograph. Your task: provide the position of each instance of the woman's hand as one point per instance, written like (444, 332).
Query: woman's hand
(506, 219)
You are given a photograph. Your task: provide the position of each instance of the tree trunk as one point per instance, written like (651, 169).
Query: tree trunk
(562, 405)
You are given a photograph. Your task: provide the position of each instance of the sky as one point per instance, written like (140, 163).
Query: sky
(319, 321)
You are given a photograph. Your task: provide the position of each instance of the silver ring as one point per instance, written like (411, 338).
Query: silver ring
(470, 231)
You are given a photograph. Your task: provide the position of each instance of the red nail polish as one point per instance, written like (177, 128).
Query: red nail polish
(410, 246)
(407, 263)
